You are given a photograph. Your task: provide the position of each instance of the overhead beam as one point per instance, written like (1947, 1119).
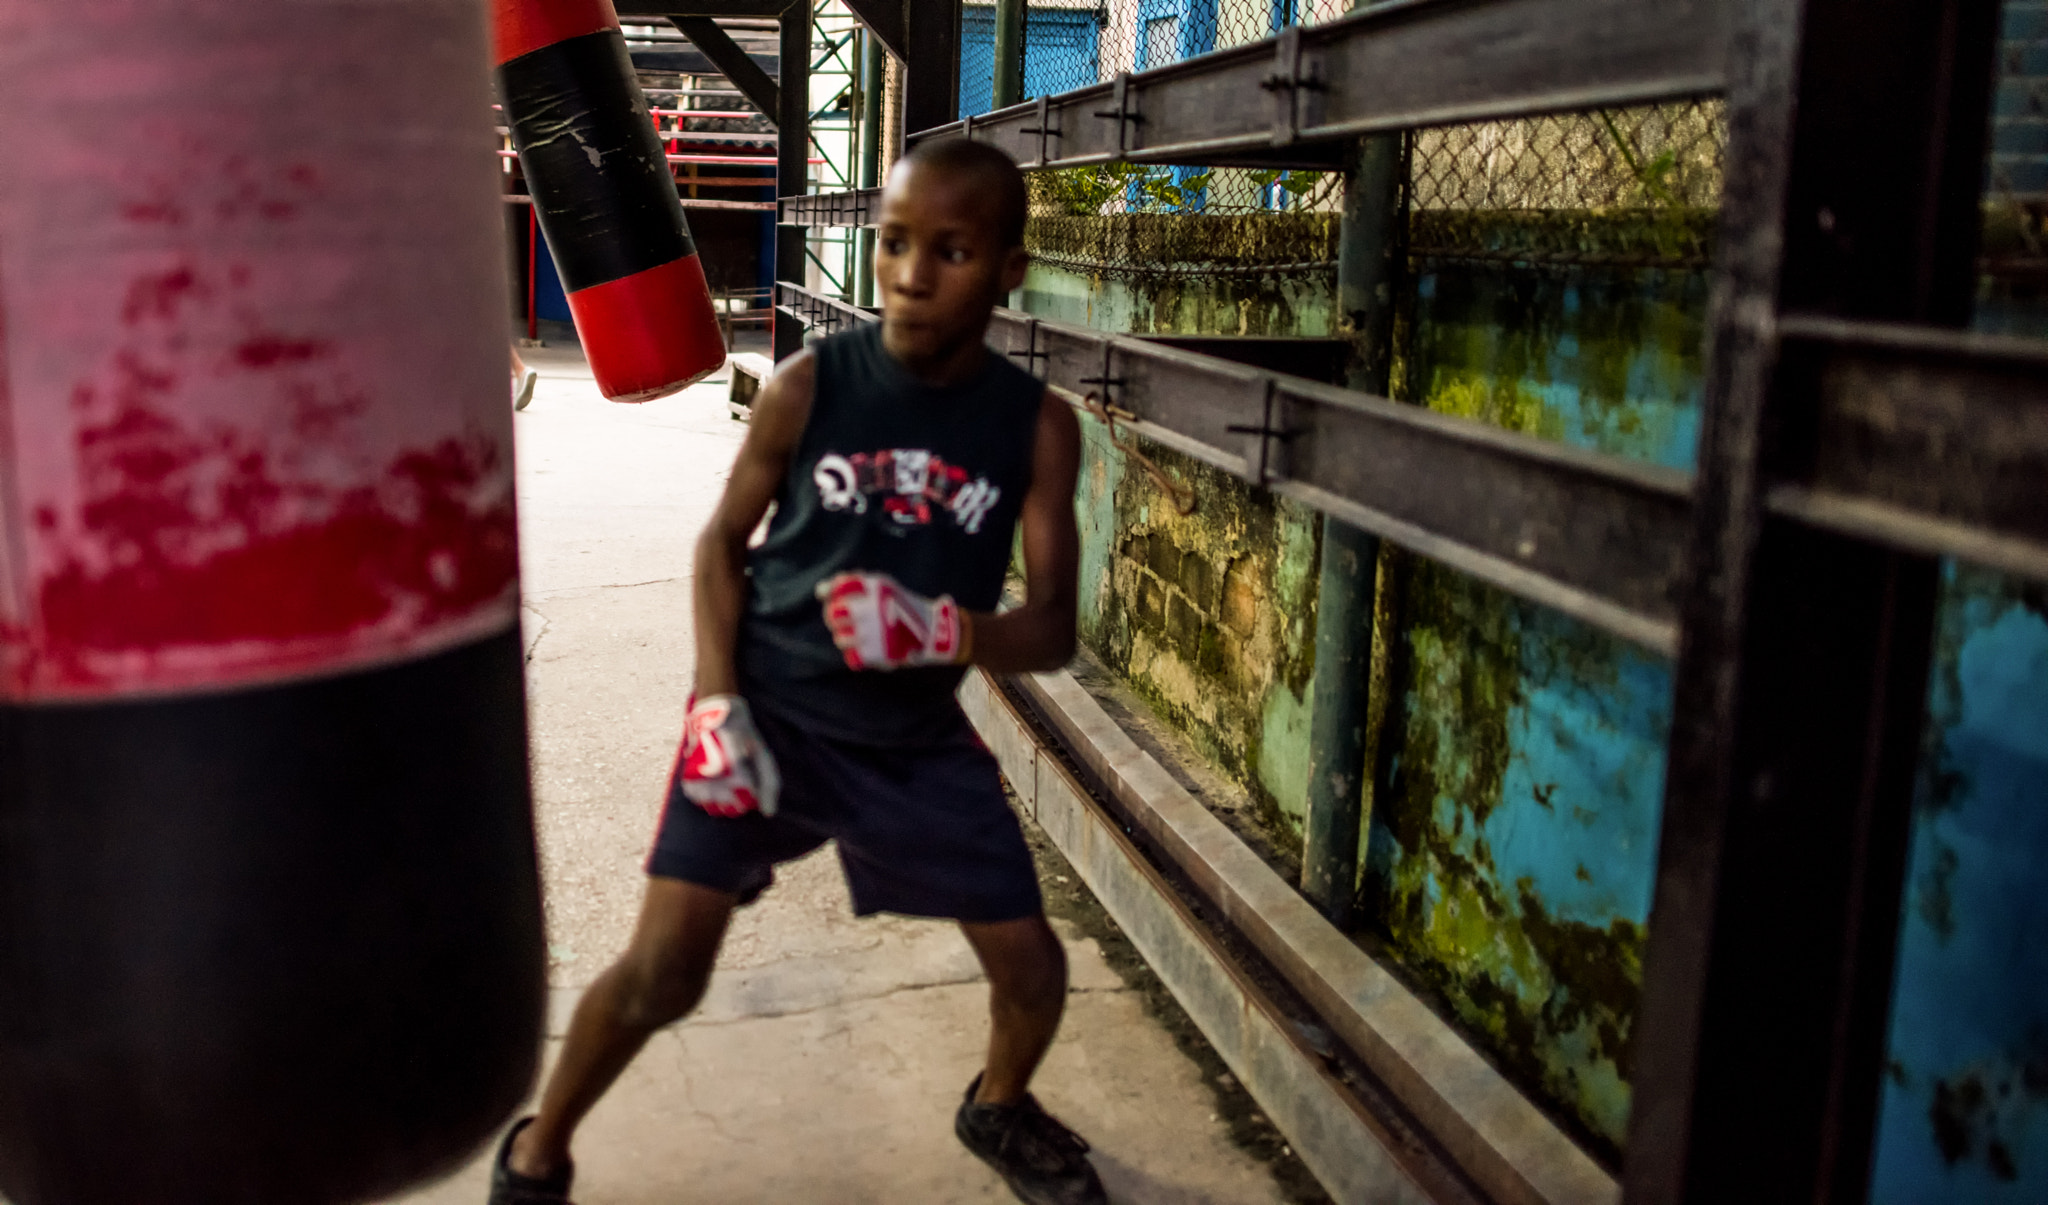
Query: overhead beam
(700, 8)
(884, 19)
(1286, 99)
(931, 64)
(733, 62)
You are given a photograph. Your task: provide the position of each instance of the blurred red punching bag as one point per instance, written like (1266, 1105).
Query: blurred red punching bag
(269, 911)
(605, 197)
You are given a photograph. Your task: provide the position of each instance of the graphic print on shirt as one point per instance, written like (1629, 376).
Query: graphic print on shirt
(911, 487)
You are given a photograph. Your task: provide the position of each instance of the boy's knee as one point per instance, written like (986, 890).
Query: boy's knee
(1035, 973)
(660, 990)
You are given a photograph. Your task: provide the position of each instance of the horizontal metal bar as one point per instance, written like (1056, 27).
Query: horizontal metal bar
(1389, 66)
(819, 311)
(1594, 536)
(1920, 438)
(861, 207)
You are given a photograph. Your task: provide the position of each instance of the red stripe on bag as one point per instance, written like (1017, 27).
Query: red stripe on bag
(255, 423)
(520, 27)
(652, 333)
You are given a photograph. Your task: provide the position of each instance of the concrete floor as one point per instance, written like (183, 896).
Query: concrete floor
(827, 1062)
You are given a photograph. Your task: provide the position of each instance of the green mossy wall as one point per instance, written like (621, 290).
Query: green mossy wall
(1513, 837)
(1209, 616)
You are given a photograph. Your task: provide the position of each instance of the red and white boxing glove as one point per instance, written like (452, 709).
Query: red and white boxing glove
(726, 767)
(880, 624)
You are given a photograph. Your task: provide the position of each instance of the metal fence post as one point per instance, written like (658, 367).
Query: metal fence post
(1802, 669)
(1009, 67)
(792, 161)
(872, 87)
(931, 85)
(1369, 268)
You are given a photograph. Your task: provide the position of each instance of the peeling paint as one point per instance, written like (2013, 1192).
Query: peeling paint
(1600, 358)
(1513, 841)
(1512, 853)
(1511, 856)
(1210, 616)
(1965, 1111)
(1513, 846)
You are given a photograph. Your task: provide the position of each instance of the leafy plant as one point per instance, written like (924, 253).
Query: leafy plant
(1083, 191)
(1295, 184)
(1653, 176)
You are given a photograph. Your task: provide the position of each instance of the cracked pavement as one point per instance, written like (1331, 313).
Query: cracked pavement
(827, 1060)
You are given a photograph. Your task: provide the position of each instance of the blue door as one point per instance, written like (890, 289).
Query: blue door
(1061, 46)
(1172, 30)
(1169, 31)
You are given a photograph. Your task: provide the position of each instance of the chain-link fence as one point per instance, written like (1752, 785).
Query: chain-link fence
(1629, 187)
(1622, 188)
(1634, 187)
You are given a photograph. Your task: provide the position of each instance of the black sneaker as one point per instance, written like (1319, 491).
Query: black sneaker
(510, 1188)
(1044, 1162)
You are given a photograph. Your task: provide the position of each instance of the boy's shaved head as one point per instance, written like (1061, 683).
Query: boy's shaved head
(996, 174)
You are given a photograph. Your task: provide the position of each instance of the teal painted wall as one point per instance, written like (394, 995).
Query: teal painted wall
(1513, 843)
(1517, 796)
(1210, 616)
(1965, 1114)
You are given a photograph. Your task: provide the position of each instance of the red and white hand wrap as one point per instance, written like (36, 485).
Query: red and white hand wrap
(725, 766)
(879, 624)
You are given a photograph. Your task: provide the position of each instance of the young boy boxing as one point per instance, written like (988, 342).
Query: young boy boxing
(901, 459)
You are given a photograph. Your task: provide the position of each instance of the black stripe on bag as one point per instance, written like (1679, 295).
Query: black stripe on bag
(598, 174)
(305, 916)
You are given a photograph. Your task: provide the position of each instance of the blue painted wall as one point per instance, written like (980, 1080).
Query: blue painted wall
(1512, 852)
(551, 303)
(1965, 1111)
(1965, 1115)
(1059, 53)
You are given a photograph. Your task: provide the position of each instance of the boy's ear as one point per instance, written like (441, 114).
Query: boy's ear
(1014, 265)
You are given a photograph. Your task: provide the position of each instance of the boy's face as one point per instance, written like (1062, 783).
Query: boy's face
(940, 263)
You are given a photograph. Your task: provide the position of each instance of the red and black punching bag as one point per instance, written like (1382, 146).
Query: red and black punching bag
(270, 924)
(605, 197)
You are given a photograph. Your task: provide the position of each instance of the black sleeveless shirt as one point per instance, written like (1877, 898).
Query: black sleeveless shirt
(892, 476)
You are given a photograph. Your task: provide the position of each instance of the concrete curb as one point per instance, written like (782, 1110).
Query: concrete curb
(1499, 1139)
(1334, 1136)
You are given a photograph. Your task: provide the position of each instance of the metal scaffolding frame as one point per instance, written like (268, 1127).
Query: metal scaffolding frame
(1853, 435)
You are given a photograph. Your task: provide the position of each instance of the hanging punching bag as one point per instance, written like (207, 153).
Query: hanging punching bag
(269, 911)
(605, 197)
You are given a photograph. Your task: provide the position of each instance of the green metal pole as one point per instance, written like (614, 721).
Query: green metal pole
(792, 162)
(1368, 271)
(871, 87)
(1009, 81)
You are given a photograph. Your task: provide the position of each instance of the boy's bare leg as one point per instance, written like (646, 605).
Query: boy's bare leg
(1027, 976)
(659, 980)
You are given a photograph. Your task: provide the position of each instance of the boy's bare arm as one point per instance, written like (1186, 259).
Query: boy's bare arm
(1039, 636)
(719, 593)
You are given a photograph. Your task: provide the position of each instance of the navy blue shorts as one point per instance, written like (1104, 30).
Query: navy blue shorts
(922, 831)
